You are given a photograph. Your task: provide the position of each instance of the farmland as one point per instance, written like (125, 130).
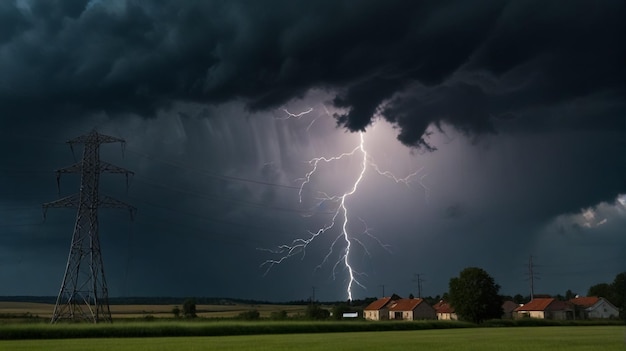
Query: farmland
(44, 310)
(606, 338)
(24, 326)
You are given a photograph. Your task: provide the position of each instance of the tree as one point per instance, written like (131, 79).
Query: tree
(519, 299)
(250, 315)
(474, 295)
(569, 294)
(176, 311)
(316, 312)
(279, 315)
(339, 310)
(601, 290)
(189, 308)
(619, 290)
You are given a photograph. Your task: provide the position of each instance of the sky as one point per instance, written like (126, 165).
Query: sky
(473, 134)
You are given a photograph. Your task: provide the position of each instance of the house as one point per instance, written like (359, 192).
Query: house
(545, 308)
(379, 309)
(592, 307)
(445, 311)
(411, 309)
(507, 309)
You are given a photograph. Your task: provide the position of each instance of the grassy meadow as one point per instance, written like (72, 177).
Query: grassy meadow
(25, 326)
(567, 338)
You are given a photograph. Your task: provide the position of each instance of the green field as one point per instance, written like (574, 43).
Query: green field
(151, 327)
(606, 338)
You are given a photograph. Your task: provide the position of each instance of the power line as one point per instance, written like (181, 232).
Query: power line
(205, 195)
(199, 216)
(210, 174)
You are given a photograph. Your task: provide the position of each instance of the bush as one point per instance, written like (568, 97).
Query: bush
(176, 312)
(279, 316)
(316, 312)
(189, 308)
(338, 310)
(250, 315)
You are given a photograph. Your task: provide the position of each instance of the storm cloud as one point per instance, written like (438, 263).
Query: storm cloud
(514, 109)
(406, 61)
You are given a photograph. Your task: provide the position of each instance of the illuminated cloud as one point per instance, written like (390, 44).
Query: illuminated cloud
(522, 100)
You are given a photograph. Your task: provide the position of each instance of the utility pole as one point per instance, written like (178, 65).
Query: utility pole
(383, 286)
(417, 279)
(83, 294)
(531, 276)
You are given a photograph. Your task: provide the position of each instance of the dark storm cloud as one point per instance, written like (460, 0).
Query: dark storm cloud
(172, 78)
(136, 57)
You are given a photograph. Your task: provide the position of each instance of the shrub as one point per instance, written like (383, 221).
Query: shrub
(176, 312)
(249, 315)
(316, 312)
(279, 316)
(189, 308)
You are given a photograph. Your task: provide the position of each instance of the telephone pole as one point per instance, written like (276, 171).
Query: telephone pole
(531, 276)
(83, 294)
(418, 279)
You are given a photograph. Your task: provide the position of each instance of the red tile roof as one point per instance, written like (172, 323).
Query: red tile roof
(585, 301)
(559, 306)
(544, 304)
(405, 304)
(539, 304)
(378, 304)
(443, 307)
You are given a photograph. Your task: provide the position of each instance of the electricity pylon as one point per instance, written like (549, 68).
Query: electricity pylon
(83, 294)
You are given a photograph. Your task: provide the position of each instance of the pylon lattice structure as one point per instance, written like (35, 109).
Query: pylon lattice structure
(83, 295)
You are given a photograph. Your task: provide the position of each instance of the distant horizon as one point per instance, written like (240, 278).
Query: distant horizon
(182, 298)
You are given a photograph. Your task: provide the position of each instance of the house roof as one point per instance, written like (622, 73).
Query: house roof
(405, 304)
(539, 304)
(559, 306)
(585, 301)
(381, 303)
(544, 304)
(509, 306)
(443, 307)
(378, 304)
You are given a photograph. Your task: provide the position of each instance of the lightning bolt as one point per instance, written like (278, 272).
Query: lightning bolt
(299, 115)
(341, 215)
(296, 115)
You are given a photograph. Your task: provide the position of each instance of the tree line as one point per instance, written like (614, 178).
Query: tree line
(474, 295)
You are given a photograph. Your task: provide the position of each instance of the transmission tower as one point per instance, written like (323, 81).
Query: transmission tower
(418, 280)
(532, 275)
(83, 294)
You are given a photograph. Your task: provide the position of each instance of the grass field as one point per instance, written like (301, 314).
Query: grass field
(218, 330)
(606, 338)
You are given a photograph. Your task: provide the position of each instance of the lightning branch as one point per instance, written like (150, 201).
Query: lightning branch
(341, 216)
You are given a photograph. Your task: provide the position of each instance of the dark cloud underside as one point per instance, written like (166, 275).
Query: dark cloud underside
(492, 58)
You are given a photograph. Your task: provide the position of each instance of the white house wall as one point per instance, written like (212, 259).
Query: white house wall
(602, 310)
